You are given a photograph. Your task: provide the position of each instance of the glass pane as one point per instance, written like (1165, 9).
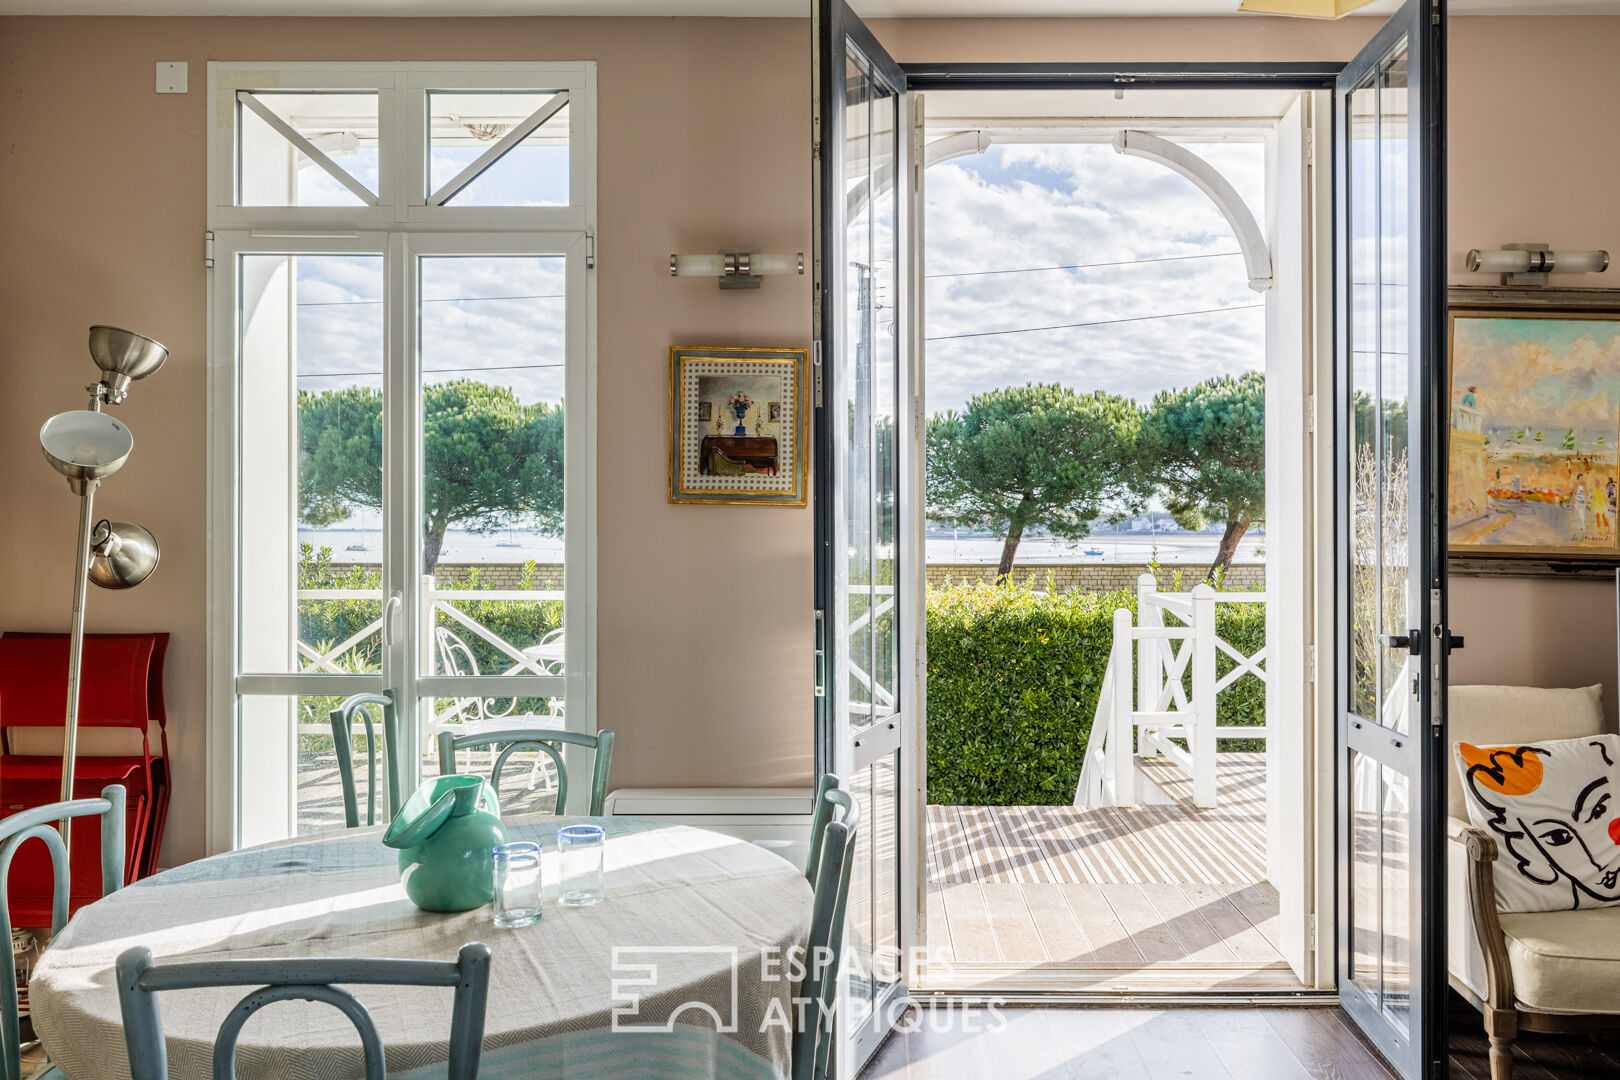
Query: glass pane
(1366, 839)
(310, 465)
(874, 959)
(288, 772)
(274, 172)
(854, 384)
(464, 125)
(1394, 296)
(1365, 539)
(885, 403)
(492, 355)
(1397, 899)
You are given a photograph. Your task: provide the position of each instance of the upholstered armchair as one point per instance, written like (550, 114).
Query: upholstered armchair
(1551, 971)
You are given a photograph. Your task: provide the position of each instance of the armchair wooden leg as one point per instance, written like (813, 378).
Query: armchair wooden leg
(1502, 1027)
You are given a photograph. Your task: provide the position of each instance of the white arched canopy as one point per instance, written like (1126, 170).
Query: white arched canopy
(1251, 241)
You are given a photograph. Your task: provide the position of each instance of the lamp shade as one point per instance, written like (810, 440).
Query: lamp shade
(124, 355)
(83, 445)
(122, 555)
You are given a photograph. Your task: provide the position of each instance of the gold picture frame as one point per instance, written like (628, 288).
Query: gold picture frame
(1533, 433)
(732, 453)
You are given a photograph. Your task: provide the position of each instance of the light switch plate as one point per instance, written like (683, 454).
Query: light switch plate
(171, 76)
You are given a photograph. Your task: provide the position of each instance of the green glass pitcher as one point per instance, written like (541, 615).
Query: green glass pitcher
(446, 834)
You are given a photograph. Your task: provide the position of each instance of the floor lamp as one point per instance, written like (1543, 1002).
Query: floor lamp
(87, 446)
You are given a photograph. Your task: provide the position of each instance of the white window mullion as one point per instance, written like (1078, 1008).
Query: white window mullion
(402, 512)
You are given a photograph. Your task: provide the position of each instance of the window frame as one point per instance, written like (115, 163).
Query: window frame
(402, 229)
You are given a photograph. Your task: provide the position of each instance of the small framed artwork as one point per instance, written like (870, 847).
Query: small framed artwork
(721, 398)
(1534, 439)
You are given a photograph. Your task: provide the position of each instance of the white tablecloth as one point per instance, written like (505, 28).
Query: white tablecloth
(701, 918)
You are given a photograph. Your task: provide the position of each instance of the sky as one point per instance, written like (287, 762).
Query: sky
(1022, 206)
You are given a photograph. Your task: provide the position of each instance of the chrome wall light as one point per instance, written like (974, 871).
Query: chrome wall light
(1529, 264)
(86, 446)
(736, 269)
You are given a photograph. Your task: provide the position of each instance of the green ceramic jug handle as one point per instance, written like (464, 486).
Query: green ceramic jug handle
(404, 833)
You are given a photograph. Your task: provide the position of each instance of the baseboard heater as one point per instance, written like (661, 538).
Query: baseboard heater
(777, 819)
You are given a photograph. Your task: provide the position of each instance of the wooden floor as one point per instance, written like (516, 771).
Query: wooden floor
(1236, 1043)
(1162, 897)
(1128, 1044)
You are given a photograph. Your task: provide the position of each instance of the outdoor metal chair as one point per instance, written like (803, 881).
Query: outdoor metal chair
(343, 739)
(548, 744)
(477, 715)
(299, 980)
(40, 822)
(813, 1037)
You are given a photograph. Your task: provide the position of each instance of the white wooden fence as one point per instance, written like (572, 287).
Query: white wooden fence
(1146, 653)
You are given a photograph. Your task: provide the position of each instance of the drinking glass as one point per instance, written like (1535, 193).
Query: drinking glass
(580, 850)
(517, 884)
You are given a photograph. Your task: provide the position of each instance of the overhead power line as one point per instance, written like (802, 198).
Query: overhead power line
(1098, 322)
(1089, 266)
(428, 371)
(431, 300)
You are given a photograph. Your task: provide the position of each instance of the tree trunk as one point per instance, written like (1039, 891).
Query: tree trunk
(1228, 549)
(1015, 533)
(432, 544)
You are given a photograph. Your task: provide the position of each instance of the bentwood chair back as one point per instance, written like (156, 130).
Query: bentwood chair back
(343, 737)
(139, 982)
(548, 743)
(40, 823)
(812, 1040)
(832, 803)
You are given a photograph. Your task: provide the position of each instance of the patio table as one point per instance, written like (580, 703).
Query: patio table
(677, 973)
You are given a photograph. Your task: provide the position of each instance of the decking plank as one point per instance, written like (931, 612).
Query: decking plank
(1011, 923)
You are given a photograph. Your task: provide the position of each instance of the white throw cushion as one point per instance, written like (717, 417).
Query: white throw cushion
(1554, 806)
(1498, 715)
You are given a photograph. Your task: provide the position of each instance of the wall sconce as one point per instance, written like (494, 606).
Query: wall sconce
(1529, 264)
(736, 269)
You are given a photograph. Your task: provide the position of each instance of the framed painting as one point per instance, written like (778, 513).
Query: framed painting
(1534, 439)
(738, 425)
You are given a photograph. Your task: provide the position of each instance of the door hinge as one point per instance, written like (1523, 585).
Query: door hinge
(815, 364)
(208, 250)
(1310, 413)
(821, 653)
(590, 250)
(1312, 665)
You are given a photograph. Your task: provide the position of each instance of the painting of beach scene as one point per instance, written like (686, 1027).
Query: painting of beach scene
(1535, 431)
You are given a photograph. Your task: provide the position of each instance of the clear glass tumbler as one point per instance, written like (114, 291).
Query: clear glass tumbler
(580, 850)
(517, 884)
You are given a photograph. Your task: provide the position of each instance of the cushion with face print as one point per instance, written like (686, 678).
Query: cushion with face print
(1554, 808)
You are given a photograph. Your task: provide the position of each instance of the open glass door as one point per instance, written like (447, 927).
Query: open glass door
(1390, 300)
(868, 579)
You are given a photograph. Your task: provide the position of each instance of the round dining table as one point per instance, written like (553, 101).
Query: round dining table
(685, 970)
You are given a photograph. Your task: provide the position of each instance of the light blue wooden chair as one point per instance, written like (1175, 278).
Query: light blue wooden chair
(343, 736)
(40, 822)
(548, 743)
(813, 1039)
(299, 980)
(831, 803)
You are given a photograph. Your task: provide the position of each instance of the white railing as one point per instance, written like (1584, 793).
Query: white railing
(1164, 711)
(434, 601)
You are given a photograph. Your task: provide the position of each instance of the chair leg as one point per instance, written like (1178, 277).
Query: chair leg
(1502, 1027)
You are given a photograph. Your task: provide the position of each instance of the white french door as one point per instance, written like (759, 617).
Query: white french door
(869, 567)
(1392, 639)
(402, 419)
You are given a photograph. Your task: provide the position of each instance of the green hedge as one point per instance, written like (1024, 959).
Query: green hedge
(1013, 679)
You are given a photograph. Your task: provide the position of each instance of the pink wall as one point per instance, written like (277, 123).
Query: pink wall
(1534, 632)
(703, 130)
(703, 134)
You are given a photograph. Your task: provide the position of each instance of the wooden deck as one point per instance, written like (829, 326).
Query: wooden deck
(1162, 897)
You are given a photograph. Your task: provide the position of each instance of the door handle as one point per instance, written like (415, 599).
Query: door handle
(1411, 641)
(391, 610)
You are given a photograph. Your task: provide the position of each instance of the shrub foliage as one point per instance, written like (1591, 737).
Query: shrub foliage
(1013, 680)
